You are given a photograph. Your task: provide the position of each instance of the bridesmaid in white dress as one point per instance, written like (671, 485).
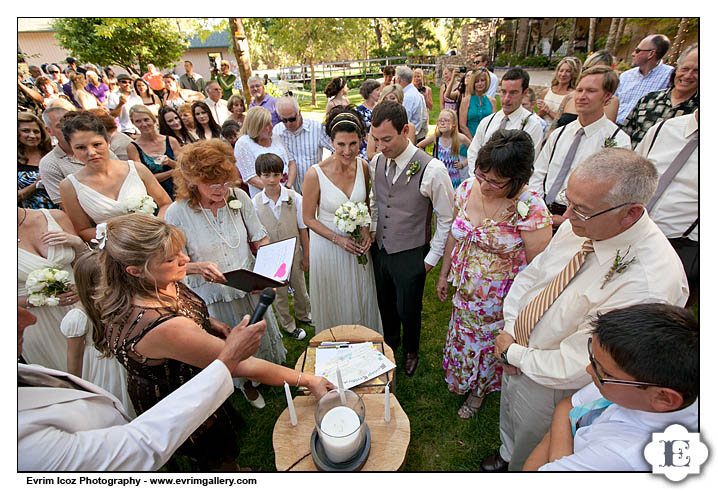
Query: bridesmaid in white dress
(78, 326)
(341, 290)
(98, 192)
(45, 239)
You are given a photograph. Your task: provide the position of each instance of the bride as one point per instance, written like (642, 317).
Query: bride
(342, 291)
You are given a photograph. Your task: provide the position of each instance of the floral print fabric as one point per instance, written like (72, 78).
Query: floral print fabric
(484, 263)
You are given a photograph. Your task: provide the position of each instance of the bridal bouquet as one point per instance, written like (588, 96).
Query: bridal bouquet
(140, 204)
(44, 286)
(350, 217)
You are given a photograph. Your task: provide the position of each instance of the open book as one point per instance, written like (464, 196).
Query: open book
(272, 268)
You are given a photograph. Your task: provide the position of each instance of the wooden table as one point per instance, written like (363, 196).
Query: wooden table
(351, 334)
(389, 441)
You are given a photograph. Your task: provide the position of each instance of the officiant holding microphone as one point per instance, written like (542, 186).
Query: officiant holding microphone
(407, 184)
(219, 222)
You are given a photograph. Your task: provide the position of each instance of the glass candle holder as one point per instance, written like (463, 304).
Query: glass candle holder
(341, 428)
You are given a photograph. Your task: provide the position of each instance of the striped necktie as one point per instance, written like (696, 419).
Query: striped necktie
(392, 171)
(530, 315)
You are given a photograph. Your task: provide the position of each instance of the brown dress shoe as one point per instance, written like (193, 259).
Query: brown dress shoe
(494, 463)
(410, 363)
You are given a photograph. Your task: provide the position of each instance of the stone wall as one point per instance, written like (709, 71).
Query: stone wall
(475, 39)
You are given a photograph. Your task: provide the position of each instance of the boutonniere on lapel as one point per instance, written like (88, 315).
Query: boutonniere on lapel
(234, 203)
(290, 202)
(525, 121)
(619, 265)
(413, 169)
(609, 142)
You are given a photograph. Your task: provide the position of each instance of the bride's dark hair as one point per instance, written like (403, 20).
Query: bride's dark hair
(345, 119)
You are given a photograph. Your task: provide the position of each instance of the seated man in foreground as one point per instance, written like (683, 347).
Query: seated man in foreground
(645, 368)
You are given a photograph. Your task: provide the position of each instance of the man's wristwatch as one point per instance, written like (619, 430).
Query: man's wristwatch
(504, 359)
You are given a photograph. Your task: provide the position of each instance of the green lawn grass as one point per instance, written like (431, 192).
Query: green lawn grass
(440, 440)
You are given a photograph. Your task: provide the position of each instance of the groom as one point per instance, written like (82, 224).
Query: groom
(407, 184)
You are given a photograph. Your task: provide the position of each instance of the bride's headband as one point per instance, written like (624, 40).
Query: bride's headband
(349, 118)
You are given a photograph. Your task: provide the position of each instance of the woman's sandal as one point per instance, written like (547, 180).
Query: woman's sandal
(258, 402)
(470, 406)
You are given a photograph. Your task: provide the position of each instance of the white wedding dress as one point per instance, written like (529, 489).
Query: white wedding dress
(341, 290)
(101, 208)
(43, 343)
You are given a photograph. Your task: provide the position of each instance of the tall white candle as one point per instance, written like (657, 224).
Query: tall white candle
(290, 405)
(340, 384)
(387, 413)
(340, 433)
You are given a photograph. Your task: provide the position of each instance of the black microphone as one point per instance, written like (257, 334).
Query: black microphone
(265, 300)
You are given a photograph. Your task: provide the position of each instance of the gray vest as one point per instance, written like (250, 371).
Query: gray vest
(404, 215)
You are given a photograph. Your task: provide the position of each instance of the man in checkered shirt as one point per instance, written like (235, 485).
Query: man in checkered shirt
(649, 74)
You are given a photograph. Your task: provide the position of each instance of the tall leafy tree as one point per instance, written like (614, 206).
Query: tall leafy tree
(130, 42)
(311, 39)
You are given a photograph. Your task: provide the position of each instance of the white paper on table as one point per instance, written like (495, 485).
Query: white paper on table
(275, 260)
(359, 363)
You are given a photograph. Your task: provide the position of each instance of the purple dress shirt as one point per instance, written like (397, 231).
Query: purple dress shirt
(100, 92)
(269, 103)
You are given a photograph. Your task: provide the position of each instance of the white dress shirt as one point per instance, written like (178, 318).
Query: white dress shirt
(616, 439)
(557, 356)
(87, 430)
(592, 141)
(219, 110)
(677, 208)
(435, 185)
(493, 85)
(276, 207)
(415, 106)
(304, 146)
(124, 118)
(491, 123)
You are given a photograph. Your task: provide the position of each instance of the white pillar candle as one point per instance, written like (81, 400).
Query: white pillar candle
(290, 405)
(340, 433)
(340, 384)
(387, 413)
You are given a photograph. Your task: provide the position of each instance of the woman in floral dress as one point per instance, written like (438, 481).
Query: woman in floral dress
(499, 226)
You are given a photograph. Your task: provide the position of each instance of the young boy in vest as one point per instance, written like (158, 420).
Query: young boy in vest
(280, 211)
(528, 103)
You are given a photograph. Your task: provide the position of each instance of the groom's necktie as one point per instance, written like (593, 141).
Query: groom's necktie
(392, 171)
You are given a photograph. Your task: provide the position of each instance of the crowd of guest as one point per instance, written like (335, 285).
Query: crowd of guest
(557, 246)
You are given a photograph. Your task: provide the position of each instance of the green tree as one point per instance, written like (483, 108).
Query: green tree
(410, 36)
(127, 42)
(311, 39)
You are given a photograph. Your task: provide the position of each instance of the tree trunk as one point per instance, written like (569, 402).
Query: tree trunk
(314, 81)
(523, 36)
(240, 44)
(571, 37)
(377, 30)
(538, 46)
(621, 29)
(515, 35)
(612, 31)
(591, 35)
(678, 42)
(553, 39)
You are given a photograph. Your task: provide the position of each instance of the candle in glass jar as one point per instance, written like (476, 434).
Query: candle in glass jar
(340, 433)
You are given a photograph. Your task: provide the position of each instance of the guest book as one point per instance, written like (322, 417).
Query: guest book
(271, 269)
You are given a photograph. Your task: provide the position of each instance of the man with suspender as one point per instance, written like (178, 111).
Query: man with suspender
(407, 184)
(608, 254)
(512, 116)
(672, 145)
(573, 143)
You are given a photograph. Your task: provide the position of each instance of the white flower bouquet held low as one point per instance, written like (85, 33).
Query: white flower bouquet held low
(349, 218)
(44, 286)
(140, 204)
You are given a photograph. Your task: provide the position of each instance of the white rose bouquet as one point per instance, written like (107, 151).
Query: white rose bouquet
(44, 286)
(140, 204)
(350, 217)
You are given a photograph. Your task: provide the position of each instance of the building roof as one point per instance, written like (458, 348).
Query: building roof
(34, 24)
(215, 40)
